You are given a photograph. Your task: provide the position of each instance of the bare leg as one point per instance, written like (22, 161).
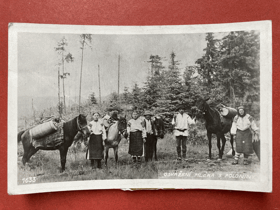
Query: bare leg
(209, 136)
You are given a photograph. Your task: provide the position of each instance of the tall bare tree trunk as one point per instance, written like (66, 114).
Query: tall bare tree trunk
(81, 76)
(99, 85)
(59, 111)
(34, 115)
(119, 75)
(63, 77)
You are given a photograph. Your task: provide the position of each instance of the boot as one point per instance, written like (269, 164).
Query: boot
(99, 164)
(92, 164)
(134, 159)
(235, 162)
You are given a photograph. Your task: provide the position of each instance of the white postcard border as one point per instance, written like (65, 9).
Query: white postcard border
(265, 184)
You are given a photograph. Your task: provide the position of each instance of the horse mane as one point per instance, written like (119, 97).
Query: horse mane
(213, 113)
(70, 127)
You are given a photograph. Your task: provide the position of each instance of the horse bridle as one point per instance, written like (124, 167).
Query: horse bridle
(122, 132)
(79, 127)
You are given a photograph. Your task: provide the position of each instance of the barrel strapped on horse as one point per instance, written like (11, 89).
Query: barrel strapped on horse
(48, 134)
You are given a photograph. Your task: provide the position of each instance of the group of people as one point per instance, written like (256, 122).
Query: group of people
(141, 133)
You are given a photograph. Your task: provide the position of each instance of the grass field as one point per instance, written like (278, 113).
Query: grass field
(45, 165)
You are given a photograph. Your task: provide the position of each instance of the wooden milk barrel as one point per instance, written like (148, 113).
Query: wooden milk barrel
(228, 112)
(42, 130)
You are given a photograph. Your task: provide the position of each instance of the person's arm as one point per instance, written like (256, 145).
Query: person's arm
(128, 130)
(104, 135)
(173, 120)
(233, 128)
(191, 121)
(144, 133)
(254, 126)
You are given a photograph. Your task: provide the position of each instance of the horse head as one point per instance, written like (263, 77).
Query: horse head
(82, 125)
(201, 103)
(122, 125)
(159, 126)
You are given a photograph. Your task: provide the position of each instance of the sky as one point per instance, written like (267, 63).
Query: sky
(38, 69)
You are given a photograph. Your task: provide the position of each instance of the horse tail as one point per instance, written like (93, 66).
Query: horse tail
(19, 135)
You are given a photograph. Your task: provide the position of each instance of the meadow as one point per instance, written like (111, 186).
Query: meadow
(45, 165)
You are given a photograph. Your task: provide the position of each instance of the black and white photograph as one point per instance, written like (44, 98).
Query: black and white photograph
(140, 107)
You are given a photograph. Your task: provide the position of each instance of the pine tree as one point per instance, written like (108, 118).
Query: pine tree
(136, 96)
(154, 83)
(173, 87)
(239, 60)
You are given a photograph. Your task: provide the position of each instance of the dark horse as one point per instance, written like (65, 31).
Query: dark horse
(114, 136)
(215, 125)
(159, 133)
(70, 129)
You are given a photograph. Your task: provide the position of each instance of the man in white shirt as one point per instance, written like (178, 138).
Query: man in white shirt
(181, 122)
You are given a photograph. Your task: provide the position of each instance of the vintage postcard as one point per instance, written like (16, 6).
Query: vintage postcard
(140, 107)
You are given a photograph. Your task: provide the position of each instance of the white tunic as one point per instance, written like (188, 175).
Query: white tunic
(136, 125)
(97, 128)
(243, 123)
(182, 122)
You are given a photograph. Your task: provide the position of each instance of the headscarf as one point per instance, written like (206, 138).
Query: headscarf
(241, 107)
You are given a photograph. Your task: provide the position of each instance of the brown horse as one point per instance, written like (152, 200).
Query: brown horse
(114, 136)
(215, 125)
(70, 129)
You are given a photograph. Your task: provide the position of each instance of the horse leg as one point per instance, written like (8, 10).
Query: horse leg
(219, 144)
(231, 142)
(106, 154)
(28, 148)
(28, 154)
(223, 145)
(116, 153)
(63, 154)
(155, 148)
(31, 152)
(209, 136)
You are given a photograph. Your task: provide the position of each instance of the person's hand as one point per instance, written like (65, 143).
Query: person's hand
(104, 142)
(144, 140)
(128, 139)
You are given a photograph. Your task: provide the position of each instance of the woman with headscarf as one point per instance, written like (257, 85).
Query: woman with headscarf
(243, 125)
(96, 140)
(136, 136)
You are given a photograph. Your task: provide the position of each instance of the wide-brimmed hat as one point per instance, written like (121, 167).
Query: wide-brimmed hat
(148, 113)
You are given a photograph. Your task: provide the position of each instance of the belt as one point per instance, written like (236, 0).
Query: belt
(182, 130)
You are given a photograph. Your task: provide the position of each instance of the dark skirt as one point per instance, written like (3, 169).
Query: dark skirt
(95, 147)
(136, 143)
(244, 142)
